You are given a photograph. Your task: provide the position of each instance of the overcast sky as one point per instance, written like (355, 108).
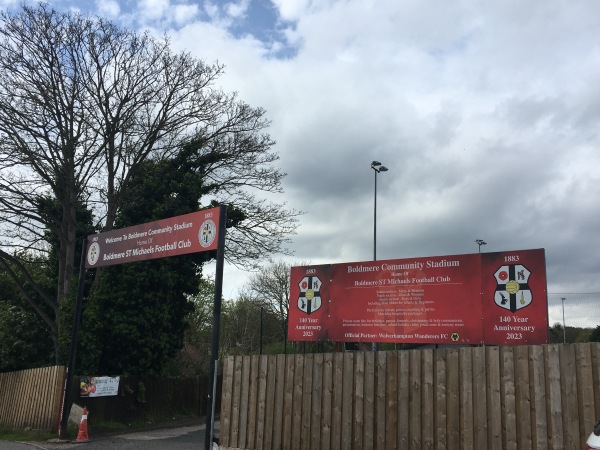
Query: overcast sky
(487, 115)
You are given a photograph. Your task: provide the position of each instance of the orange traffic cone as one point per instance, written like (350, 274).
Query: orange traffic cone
(82, 435)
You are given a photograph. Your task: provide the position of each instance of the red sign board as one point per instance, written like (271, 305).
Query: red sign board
(189, 233)
(488, 298)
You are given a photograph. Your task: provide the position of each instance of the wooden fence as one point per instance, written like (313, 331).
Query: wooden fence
(473, 398)
(147, 399)
(31, 398)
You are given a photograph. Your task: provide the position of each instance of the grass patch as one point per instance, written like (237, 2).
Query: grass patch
(93, 427)
(137, 425)
(25, 435)
(108, 427)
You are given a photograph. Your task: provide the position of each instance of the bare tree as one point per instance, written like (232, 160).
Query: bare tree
(271, 287)
(83, 103)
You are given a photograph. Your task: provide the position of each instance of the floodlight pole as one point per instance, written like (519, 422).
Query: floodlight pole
(216, 329)
(377, 167)
(564, 329)
(261, 331)
(480, 242)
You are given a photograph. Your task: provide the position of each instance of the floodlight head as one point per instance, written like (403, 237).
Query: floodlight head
(480, 242)
(382, 169)
(375, 164)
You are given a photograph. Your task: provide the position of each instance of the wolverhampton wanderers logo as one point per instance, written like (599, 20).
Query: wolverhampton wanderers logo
(512, 290)
(310, 297)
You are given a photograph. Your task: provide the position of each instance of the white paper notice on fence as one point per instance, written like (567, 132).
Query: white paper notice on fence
(98, 386)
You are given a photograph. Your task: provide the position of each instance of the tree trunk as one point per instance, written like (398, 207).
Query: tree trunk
(68, 236)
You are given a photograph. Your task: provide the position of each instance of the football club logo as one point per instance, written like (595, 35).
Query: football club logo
(310, 298)
(207, 233)
(512, 289)
(93, 254)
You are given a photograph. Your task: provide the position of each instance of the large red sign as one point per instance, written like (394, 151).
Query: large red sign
(487, 298)
(189, 233)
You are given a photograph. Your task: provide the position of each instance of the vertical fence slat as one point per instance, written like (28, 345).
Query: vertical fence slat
(507, 388)
(480, 419)
(39, 401)
(369, 402)
(31, 403)
(288, 396)
(569, 397)
(317, 402)
(494, 409)
(392, 400)
(261, 401)
(555, 412)
(336, 407)
(595, 352)
(427, 399)
(244, 394)
(47, 406)
(24, 402)
(15, 381)
(453, 398)
(235, 401)
(380, 401)
(307, 391)
(523, 397)
(327, 401)
(441, 397)
(54, 400)
(414, 410)
(276, 384)
(26, 398)
(3, 390)
(585, 389)
(48, 403)
(11, 417)
(20, 383)
(273, 402)
(359, 403)
(403, 399)
(538, 392)
(347, 394)
(297, 401)
(58, 392)
(465, 356)
(9, 387)
(253, 402)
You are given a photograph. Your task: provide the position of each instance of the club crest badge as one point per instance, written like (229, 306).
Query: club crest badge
(309, 300)
(512, 288)
(93, 253)
(207, 233)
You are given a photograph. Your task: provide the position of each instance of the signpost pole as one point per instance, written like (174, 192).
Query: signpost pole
(214, 350)
(68, 390)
